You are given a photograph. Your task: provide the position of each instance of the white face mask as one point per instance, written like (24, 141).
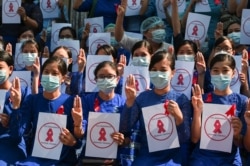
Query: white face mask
(185, 57)
(29, 58)
(140, 61)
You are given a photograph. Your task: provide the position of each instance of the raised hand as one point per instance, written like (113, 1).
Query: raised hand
(121, 64)
(15, 93)
(175, 111)
(81, 60)
(9, 48)
(218, 31)
(46, 52)
(236, 125)
(21, 11)
(4, 120)
(247, 113)
(120, 10)
(130, 90)
(76, 112)
(197, 101)
(36, 67)
(118, 137)
(200, 63)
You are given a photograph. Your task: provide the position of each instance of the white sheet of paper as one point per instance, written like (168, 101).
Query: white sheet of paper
(183, 77)
(235, 83)
(197, 26)
(9, 11)
(18, 62)
(133, 8)
(134, 35)
(74, 46)
(2, 99)
(202, 6)
(47, 143)
(245, 24)
(100, 127)
(55, 33)
(141, 75)
(216, 130)
(96, 40)
(43, 60)
(160, 128)
(92, 62)
(181, 7)
(24, 76)
(49, 8)
(96, 24)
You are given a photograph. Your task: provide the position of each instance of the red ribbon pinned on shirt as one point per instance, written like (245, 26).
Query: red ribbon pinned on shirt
(60, 110)
(217, 2)
(166, 107)
(231, 111)
(209, 98)
(96, 105)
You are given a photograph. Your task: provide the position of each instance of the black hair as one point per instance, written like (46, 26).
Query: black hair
(159, 56)
(68, 52)
(72, 31)
(103, 64)
(221, 58)
(24, 29)
(62, 67)
(231, 22)
(6, 57)
(189, 42)
(142, 43)
(109, 50)
(30, 41)
(221, 40)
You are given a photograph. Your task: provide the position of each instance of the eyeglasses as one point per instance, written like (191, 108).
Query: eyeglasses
(227, 49)
(110, 76)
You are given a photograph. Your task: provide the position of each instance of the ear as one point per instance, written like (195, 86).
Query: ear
(63, 78)
(117, 79)
(234, 72)
(70, 60)
(11, 68)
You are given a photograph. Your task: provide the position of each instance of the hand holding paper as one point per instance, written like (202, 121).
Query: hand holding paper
(130, 90)
(236, 125)
(4, 120)
(67, 138)
(118, 137)
(15, 94)
(175, 111)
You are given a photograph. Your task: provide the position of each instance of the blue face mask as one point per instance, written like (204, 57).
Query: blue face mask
(50, 83)
(184, 57)
(3, 76)
(113, 42)
(235, 36)
(29, 58)
(158, 35)
(140, 61)
(221, 82)
(159, 79)
(106, 85)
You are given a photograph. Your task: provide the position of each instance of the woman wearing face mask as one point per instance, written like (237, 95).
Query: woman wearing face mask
(222, 69)
(67, 33)
(12, 148)
(161, 70)
(104, 101)
(152, 28)
(50, 101)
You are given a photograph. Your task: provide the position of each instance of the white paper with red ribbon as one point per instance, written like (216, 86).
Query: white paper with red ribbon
(18, 62)
(160, 128)
(24, 77)
(202, 6)
(133, 8)
(96, 40)
(9, 11)
(142, 80)
(47, 144)
(197, 26)
(245, 24)
(183, 77)
(92, 62)
(160, 9)
(74, 46)
(216, 129)
(100, 127)
(96, 24)
(235, 83)
(2, 99)
(49, 8)
(55, 33)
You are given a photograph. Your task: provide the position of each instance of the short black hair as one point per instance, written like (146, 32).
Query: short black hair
(72, 30)
(6, 57)
(142, 43)
(159, 56)
(221, 58)
(109, 50)
(62, 67)
(103, 64)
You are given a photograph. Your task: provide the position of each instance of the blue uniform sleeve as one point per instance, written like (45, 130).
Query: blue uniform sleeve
(85, 6)
(76, 83)
(151, 10)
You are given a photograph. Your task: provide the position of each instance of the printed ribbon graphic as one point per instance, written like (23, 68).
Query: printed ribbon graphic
(48, 4)
(102, 134)
(133, 2)
(195, 30)
(49, 135)
(180, 80)
(217, 127)
(137, 85)
(11, 7)
(160, 126)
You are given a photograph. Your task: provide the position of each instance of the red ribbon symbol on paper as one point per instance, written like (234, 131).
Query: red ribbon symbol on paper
(102, 133)
(60, 110)
(133, 2)
(195, 30)
(49, 135)
(96, 105)
(95, 30)
(98, 45)
(48, 4)
(137, 85)
(11, 7)
(180, 80)
(166, 107)
(160, 126)
(231, 110)
(217, 127)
